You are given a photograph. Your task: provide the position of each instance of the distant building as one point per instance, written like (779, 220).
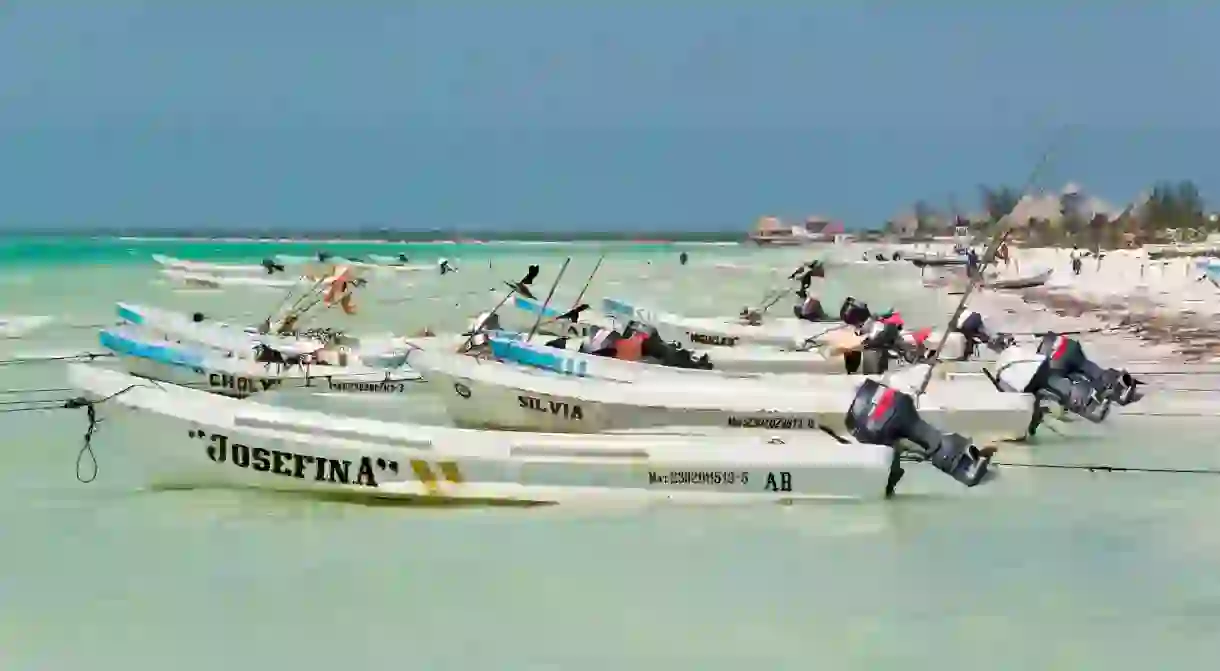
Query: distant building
(772, 231)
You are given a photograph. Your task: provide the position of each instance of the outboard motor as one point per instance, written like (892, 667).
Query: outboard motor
(1059, 371)
(198, 317)
(670, 354)
(809, 310)
(881, 339)
(272, 267)
(897, 256)
(323, 257)
(883, 415)
(854, 312)
(1067, 357)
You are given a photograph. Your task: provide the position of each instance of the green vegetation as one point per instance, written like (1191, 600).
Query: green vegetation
(1170, 212)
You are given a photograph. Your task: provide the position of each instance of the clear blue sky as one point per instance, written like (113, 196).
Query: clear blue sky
(584, 113)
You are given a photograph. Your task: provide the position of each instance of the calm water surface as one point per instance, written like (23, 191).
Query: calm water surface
(1045, 570)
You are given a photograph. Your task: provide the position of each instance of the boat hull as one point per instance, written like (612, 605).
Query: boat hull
(241, 378)
(205, 441)
(500, 395)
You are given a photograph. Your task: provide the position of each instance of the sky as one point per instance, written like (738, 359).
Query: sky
(597, 114)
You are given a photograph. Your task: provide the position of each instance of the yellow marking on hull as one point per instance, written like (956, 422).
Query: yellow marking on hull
(451, 472)
(425, 475)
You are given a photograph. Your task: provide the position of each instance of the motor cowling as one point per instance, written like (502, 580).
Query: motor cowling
(1028, 371)
(854, 312)
(1066, 357)
(883, 415)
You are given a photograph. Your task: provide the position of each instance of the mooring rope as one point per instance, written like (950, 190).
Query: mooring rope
(87, 356)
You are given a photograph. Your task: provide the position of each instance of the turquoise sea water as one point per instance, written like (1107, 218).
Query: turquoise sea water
(1045, 570)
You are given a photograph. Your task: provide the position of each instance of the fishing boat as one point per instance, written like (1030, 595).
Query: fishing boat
(517, 348)
(398, 263)
(205, 440)
(241, 377)
(331, 347)
(12, 326)
(223, 269)
(936, 260)
(197, 280)
(1023, 282)
(502, 395)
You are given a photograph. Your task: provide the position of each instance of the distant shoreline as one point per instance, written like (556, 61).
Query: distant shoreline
(389, 237)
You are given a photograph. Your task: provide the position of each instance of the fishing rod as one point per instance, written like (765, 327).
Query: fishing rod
(577, 306)
(588, 281)
(1004, 228)
(542, 310)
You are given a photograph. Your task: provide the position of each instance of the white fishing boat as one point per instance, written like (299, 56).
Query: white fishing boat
(202, 268)
(197, 280)
(493, 394)
(205, 440)
(241, 377)
(1026, 281)
(398, 264)
(784, 333)
(821, 355)
(515, 348)
(241, 342)
(12, 326)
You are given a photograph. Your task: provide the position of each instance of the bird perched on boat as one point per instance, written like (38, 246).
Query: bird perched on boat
(522, 286)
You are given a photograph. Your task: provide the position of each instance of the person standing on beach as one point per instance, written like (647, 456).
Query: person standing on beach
(1077, 261)
(972, 264)
(1002, 253)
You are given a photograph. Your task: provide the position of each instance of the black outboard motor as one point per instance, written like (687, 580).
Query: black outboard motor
(814, 313)
(323, 257)
(198, 317)
(1058, 371)
(669, 354)
(272, 267)
(1066, 358)
(897, 256)
(402, 258)
(854, 312)
(883, 415)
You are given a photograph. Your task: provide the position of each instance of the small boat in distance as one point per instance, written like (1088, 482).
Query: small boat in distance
(771, 231)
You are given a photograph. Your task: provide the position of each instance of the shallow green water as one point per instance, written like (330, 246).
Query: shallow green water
(1045, 570)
